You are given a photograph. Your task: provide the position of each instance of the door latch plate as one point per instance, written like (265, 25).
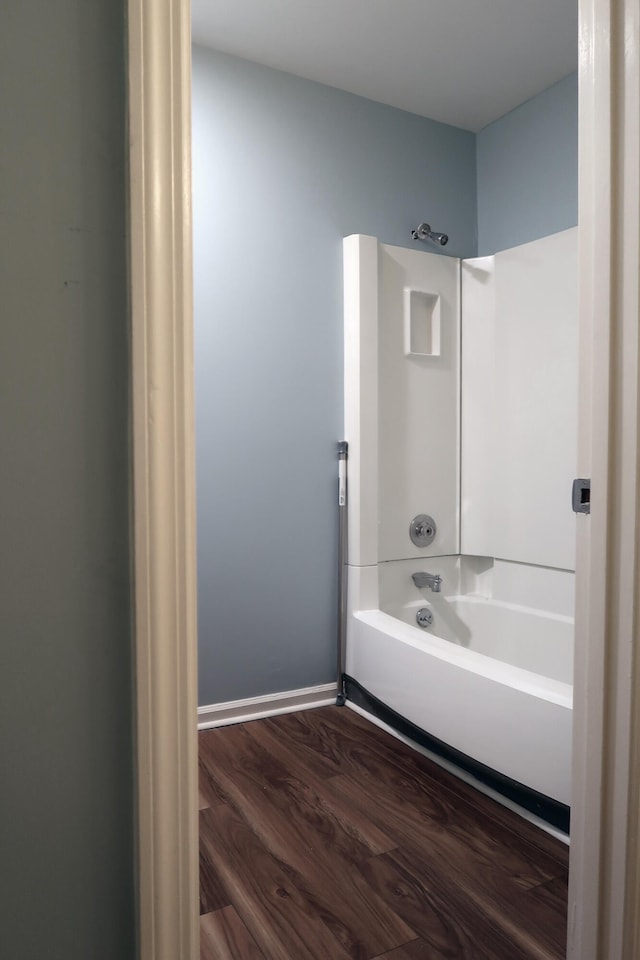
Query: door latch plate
(581, 495)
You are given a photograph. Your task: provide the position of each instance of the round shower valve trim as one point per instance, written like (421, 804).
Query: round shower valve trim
(422, 530)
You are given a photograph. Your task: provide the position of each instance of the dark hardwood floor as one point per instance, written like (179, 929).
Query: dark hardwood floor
(323, 838)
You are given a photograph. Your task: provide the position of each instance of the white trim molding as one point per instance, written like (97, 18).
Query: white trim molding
(159, 117)
(604, 890)
(268, 705)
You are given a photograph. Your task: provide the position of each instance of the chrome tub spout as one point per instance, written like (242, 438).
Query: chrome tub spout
(431, 580)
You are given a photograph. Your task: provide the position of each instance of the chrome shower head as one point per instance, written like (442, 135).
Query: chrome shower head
(424, 232)
(440, 238)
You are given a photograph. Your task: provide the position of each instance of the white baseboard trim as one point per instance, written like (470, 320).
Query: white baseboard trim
(268, 705)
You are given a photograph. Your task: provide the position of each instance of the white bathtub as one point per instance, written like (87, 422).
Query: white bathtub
(490, 679)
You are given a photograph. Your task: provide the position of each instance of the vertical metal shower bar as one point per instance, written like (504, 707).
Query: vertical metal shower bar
(343, 449)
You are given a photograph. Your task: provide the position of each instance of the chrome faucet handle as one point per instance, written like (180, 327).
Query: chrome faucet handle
(422, 530)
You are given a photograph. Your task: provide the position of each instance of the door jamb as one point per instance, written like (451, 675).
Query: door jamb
(604, 879)
(160, 256)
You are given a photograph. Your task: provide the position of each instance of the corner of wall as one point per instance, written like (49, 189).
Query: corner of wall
(527, 170)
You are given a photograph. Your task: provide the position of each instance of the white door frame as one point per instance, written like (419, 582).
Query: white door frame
(604, 893)
(604, 886)
(159, 101)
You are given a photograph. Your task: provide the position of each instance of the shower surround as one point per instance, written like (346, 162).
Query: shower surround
(461, 405)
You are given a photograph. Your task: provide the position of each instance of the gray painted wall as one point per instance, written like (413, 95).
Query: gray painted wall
(283, 169)
(528, 170)
(66, 841)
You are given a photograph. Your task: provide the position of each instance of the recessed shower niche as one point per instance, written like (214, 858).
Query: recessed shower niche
(421, 323)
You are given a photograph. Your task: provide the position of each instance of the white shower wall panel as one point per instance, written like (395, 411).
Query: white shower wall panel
(418, 399)
(478, 403)
(519, 402)
(361, 394)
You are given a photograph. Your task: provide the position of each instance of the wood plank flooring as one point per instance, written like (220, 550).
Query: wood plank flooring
(324, 838)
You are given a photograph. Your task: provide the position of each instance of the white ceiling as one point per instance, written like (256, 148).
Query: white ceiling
(464, 62)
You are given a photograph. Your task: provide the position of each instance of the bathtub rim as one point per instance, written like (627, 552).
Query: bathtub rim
(532, 684)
